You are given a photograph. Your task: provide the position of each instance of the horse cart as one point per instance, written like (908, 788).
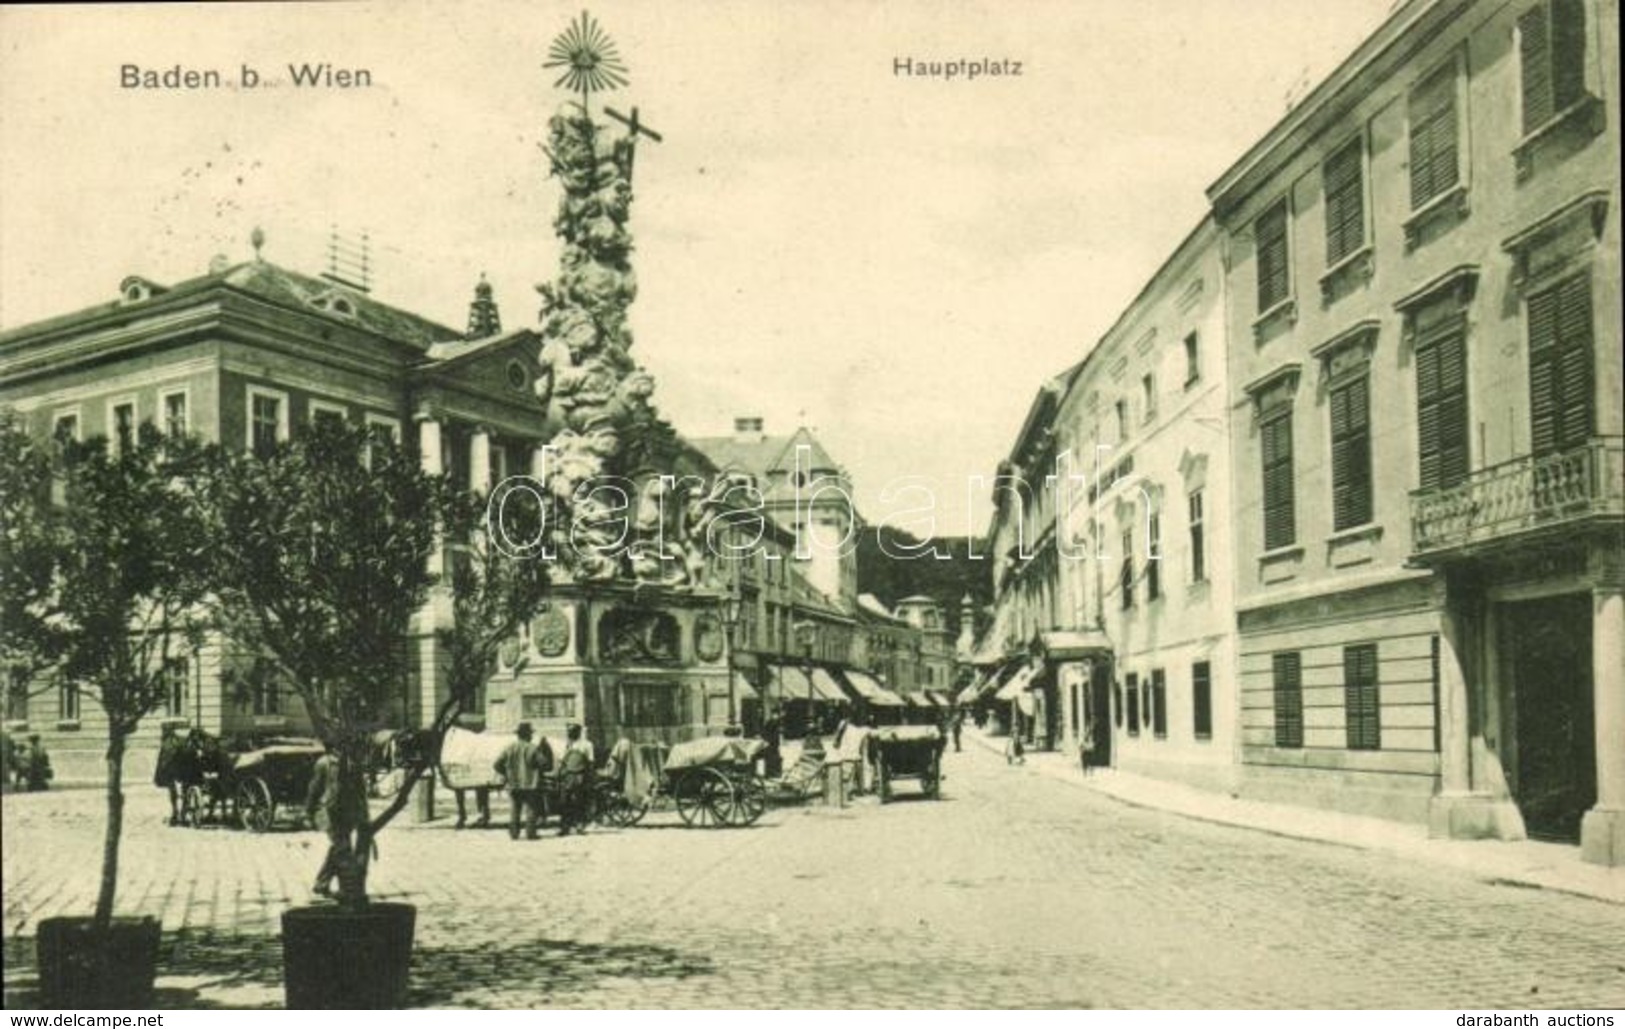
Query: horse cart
(272, 780)
(712, 782)
(907, 752)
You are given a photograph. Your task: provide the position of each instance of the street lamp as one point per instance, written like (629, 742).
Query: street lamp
(731, 605)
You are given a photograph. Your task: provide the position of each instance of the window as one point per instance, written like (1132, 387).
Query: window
(1351, 451)
(1132, 694)
(1153, 556)
(1287, 671)
(323, 412)
(67, 702)
(267, 698)
(175, 414)
(1435, 165)
(1198, 539)
(547, 706)
(1551, 48)
(385, 427)
(267, 420)
(1560, 370)
(121, 424)
(1274, 277)
(1157, 708)
(175, 682)
(1122, 419)
(1202, 700)
(1193, 363)
(1125, 577)
(1280, 520)
(1360, 701)
(1343, 178)
(1148, 395)
(65, 427)
(648, 705)
(1441, 402)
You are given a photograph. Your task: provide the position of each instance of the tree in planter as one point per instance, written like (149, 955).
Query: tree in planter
(126, 598)
(321, 560)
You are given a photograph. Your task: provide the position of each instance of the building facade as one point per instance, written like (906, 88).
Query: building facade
(1144, 530)
(1426, 420)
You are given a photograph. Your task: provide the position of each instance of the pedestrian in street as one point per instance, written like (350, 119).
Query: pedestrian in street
(1086, 744)
(956, 725)
(574, 769)
(37, 764)
(339, 809)
(772, 735)
(521, 767)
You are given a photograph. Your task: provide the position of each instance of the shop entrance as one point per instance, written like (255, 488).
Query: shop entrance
(1100, 708)
(1546, 658)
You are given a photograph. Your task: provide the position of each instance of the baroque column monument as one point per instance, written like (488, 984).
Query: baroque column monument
(609, 430)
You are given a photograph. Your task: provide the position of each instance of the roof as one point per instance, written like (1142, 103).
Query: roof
(760, 455)
(277, 285)
(453, 350)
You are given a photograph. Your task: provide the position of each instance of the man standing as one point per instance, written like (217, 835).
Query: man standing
(574, 768)
(340, 810)
(956, 723)
(37, 764)
(521, 767)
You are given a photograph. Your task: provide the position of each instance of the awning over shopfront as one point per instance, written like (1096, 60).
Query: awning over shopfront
(826, 688)
(1018, 683)
(787, 682)
(919, 700)
(1073, 644)
(869, 689)
(940, 698)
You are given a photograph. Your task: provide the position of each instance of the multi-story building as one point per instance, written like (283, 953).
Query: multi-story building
(1145, 647)
(803, 490)
(242, 356)
(1423, 266)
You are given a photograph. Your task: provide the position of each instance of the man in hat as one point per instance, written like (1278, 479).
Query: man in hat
(521, 767)
(338, 806)
(574, 768)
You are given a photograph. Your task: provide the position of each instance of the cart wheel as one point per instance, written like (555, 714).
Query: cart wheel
(931, 782)
(192, 806)
(704, 797)
(255, 807)
(749, 800)
(632, 811)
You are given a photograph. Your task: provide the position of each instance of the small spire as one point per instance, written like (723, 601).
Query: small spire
(256, 239)
(483, 317)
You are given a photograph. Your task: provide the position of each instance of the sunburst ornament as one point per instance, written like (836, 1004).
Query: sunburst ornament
(589, 59)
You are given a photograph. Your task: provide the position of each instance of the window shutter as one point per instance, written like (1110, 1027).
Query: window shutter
(1360, 697)
(1568, 46)
(1279, 530)
(1345, 202)
(1543, 400)
(1351, 454)
(1574, 362)
(1432, 113)
(1534, 48)
(1288, 700)
(1202, 699)
(1273, 282)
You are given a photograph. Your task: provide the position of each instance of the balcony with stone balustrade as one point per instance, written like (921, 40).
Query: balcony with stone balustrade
(1520, 500)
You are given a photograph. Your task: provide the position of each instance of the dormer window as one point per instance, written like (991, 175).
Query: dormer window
(134, 289)
(334, 302)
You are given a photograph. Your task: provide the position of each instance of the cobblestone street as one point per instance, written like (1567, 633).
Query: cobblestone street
(1015, 890)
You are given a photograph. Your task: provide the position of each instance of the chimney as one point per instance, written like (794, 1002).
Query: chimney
(748, 429)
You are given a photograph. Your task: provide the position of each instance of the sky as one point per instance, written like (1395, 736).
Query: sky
(895, 261)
